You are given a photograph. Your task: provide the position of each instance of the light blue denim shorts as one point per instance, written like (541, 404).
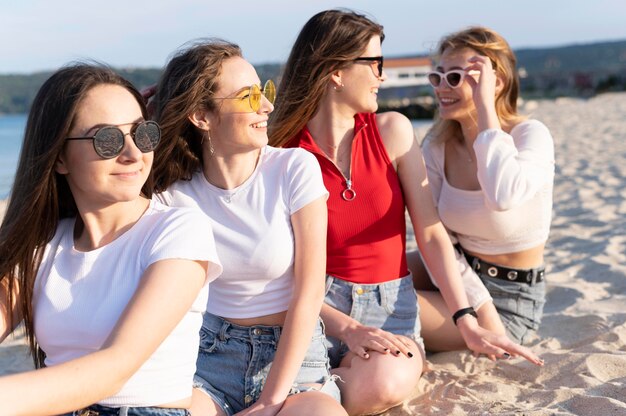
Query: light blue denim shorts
(391, 306)
(98, 410)
(519, 305)
(234, 362)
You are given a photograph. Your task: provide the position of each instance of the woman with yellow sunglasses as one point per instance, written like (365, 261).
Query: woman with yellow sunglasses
(262, 340)
(373, 169)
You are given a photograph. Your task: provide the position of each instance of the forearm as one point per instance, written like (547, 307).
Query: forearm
(65, 387)
(295, 339)
(438, 253)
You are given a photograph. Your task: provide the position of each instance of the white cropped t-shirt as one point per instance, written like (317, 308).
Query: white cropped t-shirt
(513, 209)
(80, 296)
(252, 227)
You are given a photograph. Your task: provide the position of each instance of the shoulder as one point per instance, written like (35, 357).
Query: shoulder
(288, 157)
(169, 217)
(392, 122)
(530, 127)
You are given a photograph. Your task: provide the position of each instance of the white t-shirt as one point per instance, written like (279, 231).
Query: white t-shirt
(80, 296)
(513, 209)
(252, 227)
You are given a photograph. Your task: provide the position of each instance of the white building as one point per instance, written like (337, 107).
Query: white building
(406, 72)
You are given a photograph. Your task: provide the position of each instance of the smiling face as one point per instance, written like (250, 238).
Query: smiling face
(360, 82)
(97, 182)
(455, 103)
(235, 126)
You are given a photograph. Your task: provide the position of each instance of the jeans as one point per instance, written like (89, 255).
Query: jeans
(97, 410)
(234, 362)
(391, 306)
(519, 305)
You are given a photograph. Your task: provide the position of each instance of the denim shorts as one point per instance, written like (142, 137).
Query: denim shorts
(234, 362)
(391, 306)
(97, 410)
(519, 305)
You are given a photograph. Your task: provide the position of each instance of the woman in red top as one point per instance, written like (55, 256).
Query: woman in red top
(373, 168)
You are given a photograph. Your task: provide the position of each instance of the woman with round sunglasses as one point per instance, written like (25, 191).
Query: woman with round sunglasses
(111, 285)
(373, 169)
(491, 173)
(262, 348)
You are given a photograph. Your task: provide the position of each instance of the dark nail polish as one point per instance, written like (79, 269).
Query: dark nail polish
(410, 354)
(506, 355)
(386, 349)
(398, 352)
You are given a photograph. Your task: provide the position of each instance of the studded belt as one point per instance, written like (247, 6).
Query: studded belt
(528, 276)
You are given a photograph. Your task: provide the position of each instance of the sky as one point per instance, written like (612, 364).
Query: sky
(39, 35)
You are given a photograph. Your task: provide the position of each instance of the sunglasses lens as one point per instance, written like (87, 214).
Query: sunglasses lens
(255, 98)
(147, 136)
(108, 142)
(453, 79)
(434, 79)
(269, 91)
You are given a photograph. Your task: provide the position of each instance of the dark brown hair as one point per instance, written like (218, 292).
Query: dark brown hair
(329, 41)
(40, 197)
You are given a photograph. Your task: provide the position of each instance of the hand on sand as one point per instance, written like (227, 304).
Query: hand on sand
(483, 341)
(362, 339)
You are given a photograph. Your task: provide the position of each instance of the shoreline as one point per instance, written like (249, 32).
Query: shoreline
(583, 333)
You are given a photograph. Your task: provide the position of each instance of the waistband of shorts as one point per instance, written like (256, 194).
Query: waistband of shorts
(99, 410)
(226, 329)
(370, 287)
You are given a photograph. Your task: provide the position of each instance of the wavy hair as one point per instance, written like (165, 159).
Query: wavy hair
(329, 41)
(41, 197)
(188, 84)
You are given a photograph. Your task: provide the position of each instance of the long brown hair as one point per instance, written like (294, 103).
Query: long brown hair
(329, 41)
(40, 197)
(488, 43)
(187, 85)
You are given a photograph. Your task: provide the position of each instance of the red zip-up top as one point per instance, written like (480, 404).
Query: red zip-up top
(366, 235)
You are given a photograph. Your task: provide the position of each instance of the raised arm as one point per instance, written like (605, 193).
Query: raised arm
(157, 306)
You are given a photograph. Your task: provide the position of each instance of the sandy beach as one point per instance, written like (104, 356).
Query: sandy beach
(583, 335)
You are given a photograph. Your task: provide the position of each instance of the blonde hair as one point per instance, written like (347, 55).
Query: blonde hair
(488, 43)
(329, 41)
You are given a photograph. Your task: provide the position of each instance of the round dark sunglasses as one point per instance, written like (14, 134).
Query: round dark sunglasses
(108, 141)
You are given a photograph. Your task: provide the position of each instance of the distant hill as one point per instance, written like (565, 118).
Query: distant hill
(582, 69)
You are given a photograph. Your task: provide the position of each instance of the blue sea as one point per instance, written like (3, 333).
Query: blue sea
(11, 135)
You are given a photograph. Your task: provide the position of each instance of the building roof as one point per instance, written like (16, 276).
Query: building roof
(407, 62)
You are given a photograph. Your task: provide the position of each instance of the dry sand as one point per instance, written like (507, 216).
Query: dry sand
(583, 336)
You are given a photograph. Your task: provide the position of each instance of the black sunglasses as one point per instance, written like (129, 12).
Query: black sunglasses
(373, 59)
(108, 141)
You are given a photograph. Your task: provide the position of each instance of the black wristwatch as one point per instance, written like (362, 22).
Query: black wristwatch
(462, 312)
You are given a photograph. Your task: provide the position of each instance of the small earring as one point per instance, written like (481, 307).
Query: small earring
(339, 87)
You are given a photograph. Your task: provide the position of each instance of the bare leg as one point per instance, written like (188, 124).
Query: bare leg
(378, 383)
(203, 404)
(311, 403)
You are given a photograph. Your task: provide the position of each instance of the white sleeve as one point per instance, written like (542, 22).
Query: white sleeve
(512, 168)
(433, 158)
(304, 180)
(185, 233)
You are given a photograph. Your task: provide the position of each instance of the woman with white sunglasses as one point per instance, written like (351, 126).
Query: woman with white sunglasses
(491, 173)
(373, 169)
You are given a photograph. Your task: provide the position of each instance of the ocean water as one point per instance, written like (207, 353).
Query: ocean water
(12, 133)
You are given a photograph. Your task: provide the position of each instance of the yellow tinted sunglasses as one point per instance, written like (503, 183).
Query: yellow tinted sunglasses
(251, 102)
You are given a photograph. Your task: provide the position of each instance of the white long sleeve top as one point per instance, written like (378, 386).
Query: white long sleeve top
(513, 209)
